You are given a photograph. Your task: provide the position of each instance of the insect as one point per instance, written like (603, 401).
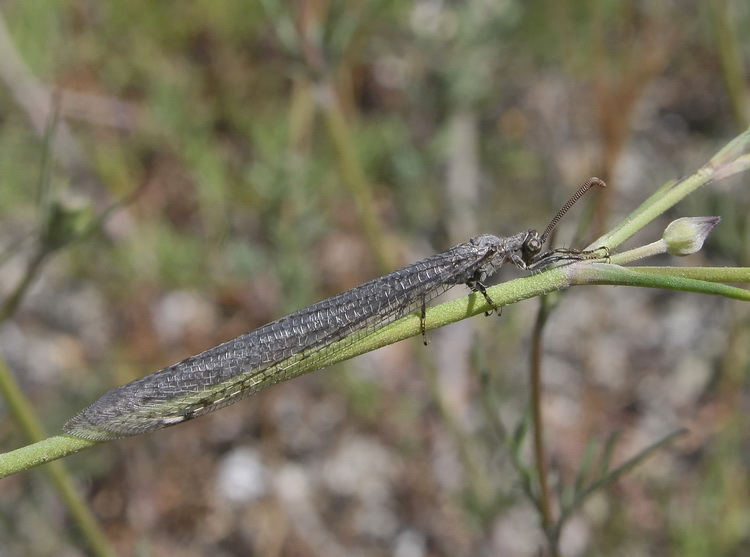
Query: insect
(292, 345)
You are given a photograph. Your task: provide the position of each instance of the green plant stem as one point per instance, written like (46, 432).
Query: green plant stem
(730, 160)
(22, 410)
(46, 451)
(343, 143)
(710, 274)
(540, 457)
(478, 488)
(583, 272)
(11, 304)
(730, 55)
(41, 452)
(600, 273)
(653, 207)
(654, 248)
(610, 476)
(439, 316)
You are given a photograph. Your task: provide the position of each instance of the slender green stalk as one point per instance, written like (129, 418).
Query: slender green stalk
(46, 451)
(438, 316)
(652, 208)
(14, 299)
(479, 490)
(598, 273)
(341, 137)
(354, 177)
(641, 252)
(732, 159)
(730, 55)
(540, 456)
(41, 452)
(710, 274)
(58, 226)
(583, 272)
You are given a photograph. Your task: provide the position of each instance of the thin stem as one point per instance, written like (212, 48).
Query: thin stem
(438, 316)
(476, 480)
(33, 430)
(654, 248)
(730, 160)
(600, 273)
(730, 55)
(14, 299)
(537, 422)
(559, 278)
(341, 137)
(354, 177)
(652, 208)
(710, 274)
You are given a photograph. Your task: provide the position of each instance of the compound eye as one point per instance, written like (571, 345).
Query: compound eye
(533, 245)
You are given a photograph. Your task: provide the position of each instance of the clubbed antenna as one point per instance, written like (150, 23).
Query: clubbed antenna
(591, 182)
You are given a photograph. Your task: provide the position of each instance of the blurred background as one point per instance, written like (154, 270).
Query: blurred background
(173, 174)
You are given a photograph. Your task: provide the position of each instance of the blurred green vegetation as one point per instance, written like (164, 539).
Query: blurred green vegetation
(217, 122)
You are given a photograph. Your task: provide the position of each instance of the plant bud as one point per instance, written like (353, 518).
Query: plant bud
(686, 235)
